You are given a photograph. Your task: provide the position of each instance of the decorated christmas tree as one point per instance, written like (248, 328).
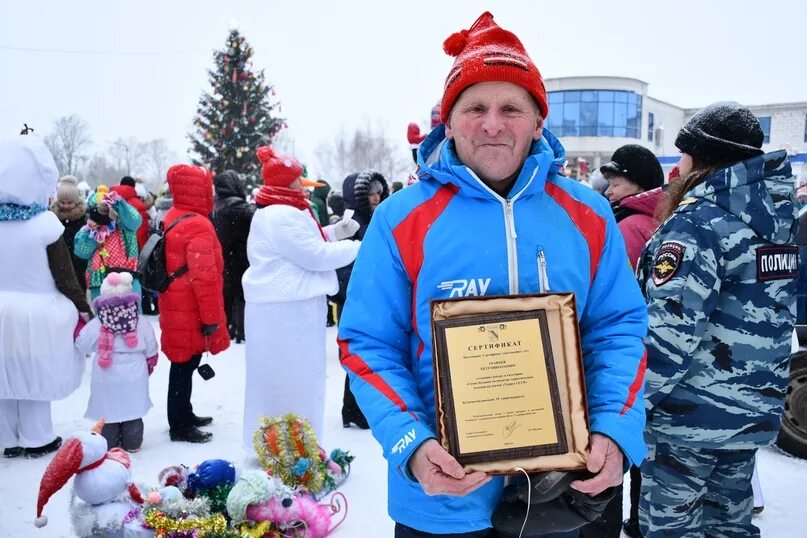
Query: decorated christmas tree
(237, 116)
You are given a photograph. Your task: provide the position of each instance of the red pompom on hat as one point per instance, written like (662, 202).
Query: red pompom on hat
(281, 170)
(488, 53)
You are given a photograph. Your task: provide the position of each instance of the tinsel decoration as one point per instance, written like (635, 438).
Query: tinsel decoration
(20, 212)
(218, 498)
(338, 469)
(169, 527)
(181, 508)
(287, 448)
(264, 529)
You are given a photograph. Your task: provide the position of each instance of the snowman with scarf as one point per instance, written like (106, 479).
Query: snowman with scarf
(102, 483)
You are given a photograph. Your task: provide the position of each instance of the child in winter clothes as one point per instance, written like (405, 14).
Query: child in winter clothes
(126, 355)
(109, 239)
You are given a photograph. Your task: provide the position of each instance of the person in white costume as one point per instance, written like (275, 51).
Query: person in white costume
(292, 268)
(126, 355)
(40, 302)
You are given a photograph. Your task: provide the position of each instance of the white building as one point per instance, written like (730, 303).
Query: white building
(593, 116)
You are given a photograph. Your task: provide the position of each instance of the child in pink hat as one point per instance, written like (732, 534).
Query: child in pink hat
(125, 355)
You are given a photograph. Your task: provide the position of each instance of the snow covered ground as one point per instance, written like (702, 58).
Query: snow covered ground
(222, 397)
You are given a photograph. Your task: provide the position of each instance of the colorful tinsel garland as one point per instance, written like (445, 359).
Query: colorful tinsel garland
(166, 527)
(287, 448)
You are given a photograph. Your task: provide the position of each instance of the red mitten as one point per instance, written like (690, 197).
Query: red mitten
(413, 134)
(79, 325)
(151, 362)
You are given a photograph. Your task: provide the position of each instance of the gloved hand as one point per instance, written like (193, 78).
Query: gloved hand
(554, 505)
(79, 325)
(151, 362)
(413, 134)
(345, 229)
(112, 197)
(208, 330)
(542, 487)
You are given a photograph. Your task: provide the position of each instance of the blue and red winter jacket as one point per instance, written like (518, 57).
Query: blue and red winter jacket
(449, 235)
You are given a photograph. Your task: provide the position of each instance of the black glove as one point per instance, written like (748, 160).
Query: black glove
(558, 509)
(99, 218)
(542, 487)
(208, 330)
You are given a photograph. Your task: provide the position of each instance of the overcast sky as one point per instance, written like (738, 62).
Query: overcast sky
(137, 68)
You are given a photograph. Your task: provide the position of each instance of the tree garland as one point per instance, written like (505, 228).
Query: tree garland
(167, 527)
(264, 529)
(287, 448)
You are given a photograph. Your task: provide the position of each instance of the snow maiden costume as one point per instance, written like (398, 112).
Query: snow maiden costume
(126, 355)
(292, 268)
(40, 301)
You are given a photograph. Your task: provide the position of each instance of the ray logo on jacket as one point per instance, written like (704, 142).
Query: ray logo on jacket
(473, 287)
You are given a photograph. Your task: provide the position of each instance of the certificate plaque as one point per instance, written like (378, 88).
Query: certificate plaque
(500, 385)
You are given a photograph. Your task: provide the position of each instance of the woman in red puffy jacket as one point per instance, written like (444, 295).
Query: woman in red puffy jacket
(192, 317)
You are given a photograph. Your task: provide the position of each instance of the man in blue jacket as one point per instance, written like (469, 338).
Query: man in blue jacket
(490, 215)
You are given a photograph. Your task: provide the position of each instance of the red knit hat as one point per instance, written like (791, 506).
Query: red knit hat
(281, 170)
(488, 53)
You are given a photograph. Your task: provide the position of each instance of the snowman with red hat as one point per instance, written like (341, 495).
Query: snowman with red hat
(102, 483)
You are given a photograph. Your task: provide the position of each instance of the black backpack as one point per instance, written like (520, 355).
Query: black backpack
(151, 262)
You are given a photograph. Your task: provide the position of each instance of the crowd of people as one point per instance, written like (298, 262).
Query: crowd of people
(669, 281)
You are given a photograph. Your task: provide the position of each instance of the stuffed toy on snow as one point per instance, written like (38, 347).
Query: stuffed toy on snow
(102, 483)
(175, 475)
(213, 480)
(263, 502)
(287, 448)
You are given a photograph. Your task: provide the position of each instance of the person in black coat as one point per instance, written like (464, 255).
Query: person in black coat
(337, 205)
(362, 193)
(232, 215)
(71, 208)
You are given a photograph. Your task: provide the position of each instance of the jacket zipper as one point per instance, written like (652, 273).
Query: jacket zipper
(510, 227)
(543, 276)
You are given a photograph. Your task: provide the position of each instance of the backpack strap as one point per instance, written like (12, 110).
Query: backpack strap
(180, 219)
(184, 269)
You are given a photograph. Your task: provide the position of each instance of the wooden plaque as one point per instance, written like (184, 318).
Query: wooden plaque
(498, 388)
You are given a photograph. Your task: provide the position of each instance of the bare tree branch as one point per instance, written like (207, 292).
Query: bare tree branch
(366, 148)
(157, 158)
(68, 143)
(126, 154)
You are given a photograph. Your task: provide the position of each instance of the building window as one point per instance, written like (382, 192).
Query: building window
(765, 123)
(651, 125)
(595, 113)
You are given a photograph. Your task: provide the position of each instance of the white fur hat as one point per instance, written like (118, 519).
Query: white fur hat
(117, 284)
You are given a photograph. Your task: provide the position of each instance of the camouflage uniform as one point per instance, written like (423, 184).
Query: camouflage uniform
(719, 279)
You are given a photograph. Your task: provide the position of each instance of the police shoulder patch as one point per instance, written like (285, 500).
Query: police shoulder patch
(667, 261)
(777, 262)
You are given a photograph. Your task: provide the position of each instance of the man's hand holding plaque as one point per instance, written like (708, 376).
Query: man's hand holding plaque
(440, 474)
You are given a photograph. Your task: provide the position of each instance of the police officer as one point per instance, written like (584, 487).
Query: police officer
(719, 280)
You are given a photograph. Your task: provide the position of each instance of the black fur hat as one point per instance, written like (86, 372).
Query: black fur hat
(724, 132)
(638, 164)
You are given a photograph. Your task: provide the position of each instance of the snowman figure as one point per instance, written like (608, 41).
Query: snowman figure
(102, 482)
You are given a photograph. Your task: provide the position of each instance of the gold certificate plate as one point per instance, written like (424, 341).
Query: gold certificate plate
(508, 378)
